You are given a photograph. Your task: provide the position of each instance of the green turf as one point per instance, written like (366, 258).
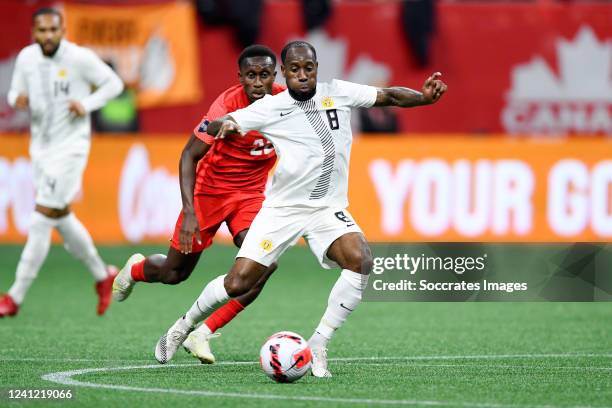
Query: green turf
(553, 354)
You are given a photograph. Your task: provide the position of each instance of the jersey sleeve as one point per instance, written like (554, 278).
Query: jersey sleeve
(97, 73)
(216, 110)
(254, 116)
(18, 81)
(359, 96)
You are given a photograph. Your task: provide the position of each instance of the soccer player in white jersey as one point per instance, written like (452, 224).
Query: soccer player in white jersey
(53, 79)
(309, 125)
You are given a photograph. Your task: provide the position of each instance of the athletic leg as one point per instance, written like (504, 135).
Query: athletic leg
(271, 233)
(197, 343)
(352, 253)
(244, 274)
(336, 237)
(172, 268)
(227, 312)
(32, 257)
(245, 209)
(79, 244)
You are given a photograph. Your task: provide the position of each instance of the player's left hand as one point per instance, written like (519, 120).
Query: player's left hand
(76, 108)
(229, 127)
(434, 88)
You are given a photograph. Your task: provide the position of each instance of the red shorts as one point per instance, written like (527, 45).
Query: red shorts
(237, 210)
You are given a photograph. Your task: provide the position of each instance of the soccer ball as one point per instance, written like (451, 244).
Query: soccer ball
(285, 357)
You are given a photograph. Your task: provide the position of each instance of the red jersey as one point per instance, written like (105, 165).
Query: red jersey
(235, 163)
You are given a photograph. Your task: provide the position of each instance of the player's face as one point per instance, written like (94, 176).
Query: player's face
(257, 76)
(48, 32)
(300, 71)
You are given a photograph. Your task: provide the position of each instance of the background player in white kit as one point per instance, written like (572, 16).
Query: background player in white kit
(53, 79)
(309, 125)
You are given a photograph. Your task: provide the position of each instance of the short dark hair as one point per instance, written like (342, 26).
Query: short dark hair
(46, 10)
(296, 44)
(256, 50)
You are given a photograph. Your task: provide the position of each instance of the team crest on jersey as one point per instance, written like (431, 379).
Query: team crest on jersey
(203, 126)
(61, 73)
(266, 245)
(327, 102)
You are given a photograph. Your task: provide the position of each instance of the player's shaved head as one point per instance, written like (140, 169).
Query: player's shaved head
(297, 44)
(45, 11)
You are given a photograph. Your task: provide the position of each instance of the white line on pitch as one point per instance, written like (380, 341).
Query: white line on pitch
(65, 378)
(370, 358)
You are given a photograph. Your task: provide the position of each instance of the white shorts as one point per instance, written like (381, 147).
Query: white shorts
(58, 181)
(275, 229)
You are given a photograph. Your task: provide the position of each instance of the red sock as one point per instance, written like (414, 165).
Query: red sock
(138, 271)
(223, 315)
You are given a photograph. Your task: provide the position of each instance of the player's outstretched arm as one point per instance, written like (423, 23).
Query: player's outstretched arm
(193, 151)
(224, 126)
(432, 91)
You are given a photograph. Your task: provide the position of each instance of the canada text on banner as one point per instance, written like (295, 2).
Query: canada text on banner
(152, 47)
(435, 189)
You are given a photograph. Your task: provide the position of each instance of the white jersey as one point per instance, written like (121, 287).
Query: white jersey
(312, 139)
(50, 83)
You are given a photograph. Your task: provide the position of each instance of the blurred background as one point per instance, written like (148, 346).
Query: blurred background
(518, 150)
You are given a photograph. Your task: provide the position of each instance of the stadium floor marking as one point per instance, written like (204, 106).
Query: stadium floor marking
(65, 378)
(343, 359)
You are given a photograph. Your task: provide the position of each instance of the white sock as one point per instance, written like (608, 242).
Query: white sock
(204, 329)
(213, 296)
(33, 255)
(345, 296)
(79, 244)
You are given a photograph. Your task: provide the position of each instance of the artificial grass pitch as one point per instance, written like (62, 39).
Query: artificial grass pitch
(389, 353)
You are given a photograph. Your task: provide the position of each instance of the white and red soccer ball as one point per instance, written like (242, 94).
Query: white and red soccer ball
(285, 357)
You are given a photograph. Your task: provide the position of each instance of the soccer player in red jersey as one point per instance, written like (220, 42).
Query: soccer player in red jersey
(222, 180)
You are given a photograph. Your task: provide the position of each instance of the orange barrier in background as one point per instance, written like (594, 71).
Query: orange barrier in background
(401, 189)
(152, 47)
(482, 189)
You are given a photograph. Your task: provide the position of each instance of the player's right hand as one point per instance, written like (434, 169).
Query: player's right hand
(189, 228)
(22, 102)
(434, 88)
(76, 108)
(229, 127)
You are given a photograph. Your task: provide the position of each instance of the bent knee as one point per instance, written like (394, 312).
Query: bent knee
(235, 286)
(359, 261)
